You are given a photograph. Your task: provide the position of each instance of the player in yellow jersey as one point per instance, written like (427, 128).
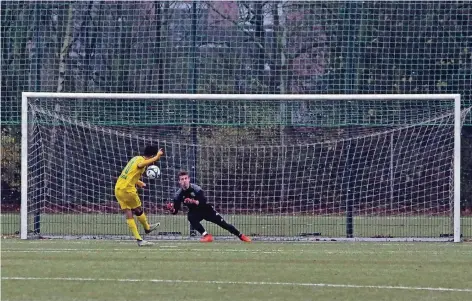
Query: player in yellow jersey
(127, 194)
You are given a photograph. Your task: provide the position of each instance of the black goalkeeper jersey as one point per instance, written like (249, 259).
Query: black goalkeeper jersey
(193, 192)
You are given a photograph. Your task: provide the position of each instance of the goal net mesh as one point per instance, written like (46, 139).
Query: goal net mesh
(285, 169)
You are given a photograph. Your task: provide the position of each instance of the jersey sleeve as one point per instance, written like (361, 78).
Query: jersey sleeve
(200, 195)
(139, 159)
(177, 200)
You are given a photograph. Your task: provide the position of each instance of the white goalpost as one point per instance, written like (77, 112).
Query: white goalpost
(278, 166)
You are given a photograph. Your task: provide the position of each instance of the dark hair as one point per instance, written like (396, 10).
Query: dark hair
(183, 173)
(150, 150)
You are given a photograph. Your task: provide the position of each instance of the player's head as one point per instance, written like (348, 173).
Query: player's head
(184, 180)
(150, 151)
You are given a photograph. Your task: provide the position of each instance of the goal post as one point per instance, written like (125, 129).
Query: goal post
(280, 166)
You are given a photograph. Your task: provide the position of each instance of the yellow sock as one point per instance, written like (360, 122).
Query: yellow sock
(134, 229)
(143, 220)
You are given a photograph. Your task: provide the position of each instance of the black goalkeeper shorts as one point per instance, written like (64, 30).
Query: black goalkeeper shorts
(208, 214)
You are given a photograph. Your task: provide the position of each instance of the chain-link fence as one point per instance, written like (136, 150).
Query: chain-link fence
(300, 47)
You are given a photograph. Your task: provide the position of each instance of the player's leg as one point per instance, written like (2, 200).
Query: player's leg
(132, 224)
(139, 212)
(195, 219)
(135, 203)
(193, 232)
(216, 218)
(125, 199)
(122, 200)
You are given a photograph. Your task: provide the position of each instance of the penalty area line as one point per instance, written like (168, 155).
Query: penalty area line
(255, 283)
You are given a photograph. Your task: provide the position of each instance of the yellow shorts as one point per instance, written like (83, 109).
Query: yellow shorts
(127, 200)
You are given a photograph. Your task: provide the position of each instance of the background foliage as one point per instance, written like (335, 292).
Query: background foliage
(332, 47)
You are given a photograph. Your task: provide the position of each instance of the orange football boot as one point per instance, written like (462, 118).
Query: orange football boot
(244, 238)
(207, 238)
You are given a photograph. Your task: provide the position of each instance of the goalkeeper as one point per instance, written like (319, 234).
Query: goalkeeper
(127, 194)
(193, 197)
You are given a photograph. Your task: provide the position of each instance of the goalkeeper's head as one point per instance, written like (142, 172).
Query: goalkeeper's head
(184, 179)
(150, 151)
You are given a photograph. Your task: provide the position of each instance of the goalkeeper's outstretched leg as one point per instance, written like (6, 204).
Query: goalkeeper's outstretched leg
(216, 218)
(195, 220)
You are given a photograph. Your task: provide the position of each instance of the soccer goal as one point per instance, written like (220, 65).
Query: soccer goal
(280, 167)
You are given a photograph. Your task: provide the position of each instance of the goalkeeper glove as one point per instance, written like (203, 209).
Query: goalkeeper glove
(191, 201)
(170, 207)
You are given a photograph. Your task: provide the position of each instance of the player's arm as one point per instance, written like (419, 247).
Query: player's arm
(151, 160)
(141, 184)
(200, 198)
(174, 205)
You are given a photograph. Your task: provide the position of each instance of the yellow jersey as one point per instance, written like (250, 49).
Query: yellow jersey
(130, 175)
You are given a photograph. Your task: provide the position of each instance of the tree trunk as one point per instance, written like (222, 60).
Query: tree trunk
(259, 40)
(66, 43)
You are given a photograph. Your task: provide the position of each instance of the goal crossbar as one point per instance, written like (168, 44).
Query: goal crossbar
(455, 97)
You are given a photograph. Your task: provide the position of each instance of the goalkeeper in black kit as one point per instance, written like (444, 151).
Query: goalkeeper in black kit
(193, 197)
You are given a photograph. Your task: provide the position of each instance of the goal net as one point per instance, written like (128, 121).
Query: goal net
(295, 167)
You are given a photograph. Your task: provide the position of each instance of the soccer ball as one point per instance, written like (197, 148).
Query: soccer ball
(153, 172)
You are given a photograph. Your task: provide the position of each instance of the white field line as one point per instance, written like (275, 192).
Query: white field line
(212, 250)
(177, 244)
(182, 242)
(140, 249)
(255, 283)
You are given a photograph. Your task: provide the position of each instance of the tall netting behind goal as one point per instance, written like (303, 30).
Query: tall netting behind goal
(277, 166)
